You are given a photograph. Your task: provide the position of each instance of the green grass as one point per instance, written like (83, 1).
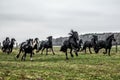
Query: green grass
(55, 67)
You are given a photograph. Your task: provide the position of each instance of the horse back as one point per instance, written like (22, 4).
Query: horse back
(101, 44)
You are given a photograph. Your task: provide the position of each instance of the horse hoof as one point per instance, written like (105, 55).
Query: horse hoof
(72, 56)
(67, 58)
(31, 60)
(104, 52)
(17, 56)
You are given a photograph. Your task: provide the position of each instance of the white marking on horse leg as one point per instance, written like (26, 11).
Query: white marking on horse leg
(31, 59)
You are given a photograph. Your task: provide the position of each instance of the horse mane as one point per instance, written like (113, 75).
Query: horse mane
(110, 37)
(49, 37)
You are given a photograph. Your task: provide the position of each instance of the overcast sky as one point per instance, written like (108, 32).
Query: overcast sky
(41, 18)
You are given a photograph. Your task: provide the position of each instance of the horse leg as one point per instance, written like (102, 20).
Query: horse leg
(66, 55)
(46, 51)
(31, 55)
(90, 50)
(23, 57)
(52, 51)
(19, 53)
(75, 50)
(42, 50)
(71, 52)
(109, 51)
(85, 50)
(105, 51)
(8, 50)
(76, 53)
(11, 50)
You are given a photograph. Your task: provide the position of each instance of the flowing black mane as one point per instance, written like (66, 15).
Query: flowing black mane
(109, 37)
(71, 43)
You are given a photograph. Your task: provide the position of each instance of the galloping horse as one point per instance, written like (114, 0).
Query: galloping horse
(12, 44)
(71, 43)
(27, 47)
(107, 44)
(46, 44)
(90, 44)
(8, 45)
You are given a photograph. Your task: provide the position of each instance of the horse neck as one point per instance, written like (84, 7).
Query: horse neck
(12, 43)
(74, 39)
(35, 44)
(93, 41)
(80, 42)
(49, 41)
(109, 41)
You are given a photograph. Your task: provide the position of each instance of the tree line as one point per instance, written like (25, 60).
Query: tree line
(87, 37)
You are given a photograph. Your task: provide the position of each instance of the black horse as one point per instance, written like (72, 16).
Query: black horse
(12, 44)
(8, 45)
(27, 47)
(79, 47)
(107, 44)
(71, 43)
(46, 44)
(90, 44)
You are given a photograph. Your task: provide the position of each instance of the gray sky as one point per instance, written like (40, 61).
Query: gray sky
(40, 18)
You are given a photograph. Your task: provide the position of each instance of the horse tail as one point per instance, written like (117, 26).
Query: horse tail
(63, 48)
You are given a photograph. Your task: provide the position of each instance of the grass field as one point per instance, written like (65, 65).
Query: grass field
(55, 67)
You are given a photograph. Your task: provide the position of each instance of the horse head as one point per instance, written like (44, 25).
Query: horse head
(111, 37)
(36, 40)
(94, 39)
(7, 39)
(13, 41)
(49, 38)
(74, 34)
(30, 42)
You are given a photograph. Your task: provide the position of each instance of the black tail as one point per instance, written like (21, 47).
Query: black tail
(63, 48)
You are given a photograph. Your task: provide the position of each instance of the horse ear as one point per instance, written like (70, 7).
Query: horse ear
(112, 34)
(70, 33)
(48, 37)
